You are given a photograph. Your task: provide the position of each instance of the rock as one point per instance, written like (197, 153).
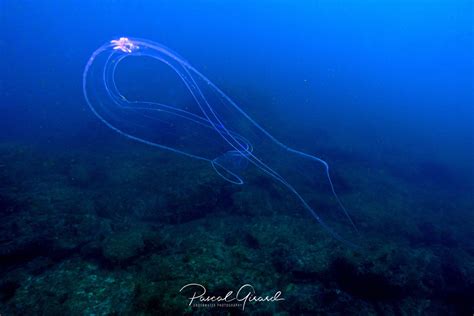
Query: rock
(121, 248)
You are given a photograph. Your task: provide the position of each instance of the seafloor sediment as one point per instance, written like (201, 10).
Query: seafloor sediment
(118, 232)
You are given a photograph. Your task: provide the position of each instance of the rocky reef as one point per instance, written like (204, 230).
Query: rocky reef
(120, 232)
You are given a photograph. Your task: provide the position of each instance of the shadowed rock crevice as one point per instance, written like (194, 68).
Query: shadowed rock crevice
(364, 284)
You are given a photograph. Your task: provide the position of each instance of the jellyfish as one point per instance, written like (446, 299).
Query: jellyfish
(213, 129)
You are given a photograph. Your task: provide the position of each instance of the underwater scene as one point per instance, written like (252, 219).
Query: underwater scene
(203, 157)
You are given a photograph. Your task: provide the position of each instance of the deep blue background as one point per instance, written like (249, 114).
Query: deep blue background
(382, 80)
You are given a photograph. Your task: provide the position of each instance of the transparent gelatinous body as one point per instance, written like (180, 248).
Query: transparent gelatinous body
(216, 129)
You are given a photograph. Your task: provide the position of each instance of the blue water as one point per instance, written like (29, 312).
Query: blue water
(383, 91)
(382, 75)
